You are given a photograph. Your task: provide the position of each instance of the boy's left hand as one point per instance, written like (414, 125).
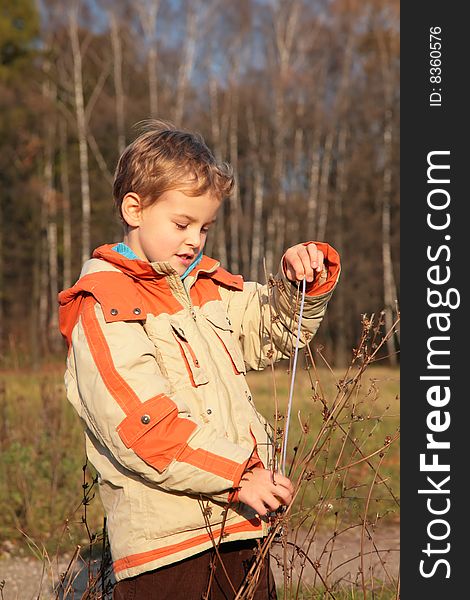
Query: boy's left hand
(303, 261)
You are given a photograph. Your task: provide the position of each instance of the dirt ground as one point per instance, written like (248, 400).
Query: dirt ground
(333, 560)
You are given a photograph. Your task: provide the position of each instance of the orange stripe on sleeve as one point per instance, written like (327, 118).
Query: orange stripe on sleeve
(116, 385)
(218, 465)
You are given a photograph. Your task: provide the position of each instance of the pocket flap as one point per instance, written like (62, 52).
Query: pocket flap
(219, 319)
(144, 418)
(176, 326)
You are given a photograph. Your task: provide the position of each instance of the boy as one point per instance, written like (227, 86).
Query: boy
(160, 338)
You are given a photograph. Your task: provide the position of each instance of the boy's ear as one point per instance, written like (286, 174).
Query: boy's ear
(131, 209)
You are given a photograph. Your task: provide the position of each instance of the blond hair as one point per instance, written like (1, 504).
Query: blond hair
(165, 158)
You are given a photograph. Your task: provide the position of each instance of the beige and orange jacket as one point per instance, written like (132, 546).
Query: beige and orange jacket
(155, 370)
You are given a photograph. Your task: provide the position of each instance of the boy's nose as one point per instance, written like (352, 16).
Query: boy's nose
(193, 240)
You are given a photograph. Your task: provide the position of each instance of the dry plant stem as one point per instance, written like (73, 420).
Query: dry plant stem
(312, 564)
(67, 578)
(364, 522)
(340, 403)
(348, 560)
(354, 381)
(366, 458)
(314, 525)
(247, 587)
(397, 595)
(382, 562)
(271, 352)
(332, 545)
(346, 389)
(294, 357)
(216, 546)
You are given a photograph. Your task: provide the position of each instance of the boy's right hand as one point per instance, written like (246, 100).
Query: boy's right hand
(264, 492)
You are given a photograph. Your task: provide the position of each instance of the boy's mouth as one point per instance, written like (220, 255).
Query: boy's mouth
(186, 259)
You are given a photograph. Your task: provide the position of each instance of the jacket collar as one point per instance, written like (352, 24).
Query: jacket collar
(141, 269)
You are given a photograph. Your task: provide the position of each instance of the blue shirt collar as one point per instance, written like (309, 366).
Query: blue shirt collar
(124, 249)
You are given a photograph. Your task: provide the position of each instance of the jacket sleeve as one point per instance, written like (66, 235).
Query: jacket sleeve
(265, 317)
(114, 381)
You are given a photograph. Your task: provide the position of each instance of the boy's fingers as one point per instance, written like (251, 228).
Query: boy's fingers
(283, 495)
(316, 257)
(299, 263)
(279, 479)
(283, 488)
(271, 502)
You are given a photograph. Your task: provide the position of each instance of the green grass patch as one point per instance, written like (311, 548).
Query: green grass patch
(41, 464)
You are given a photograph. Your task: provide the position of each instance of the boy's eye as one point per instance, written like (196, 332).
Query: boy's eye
(181, 225)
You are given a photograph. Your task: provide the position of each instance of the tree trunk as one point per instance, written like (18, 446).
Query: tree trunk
(217, 240)
(118, 86)
(53, 336)
(66, 213)
(2, 284)
(390, 290)
(286, 20)
(341, 352)
(235, 196)
(293, 225)
(313, 188)
(186, 65)
(81, 132)
(43, 264)
(148, 12)
(390, 293)
(258, 195)
(323, 195)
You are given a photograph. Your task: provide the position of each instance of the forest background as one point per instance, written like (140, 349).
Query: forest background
(300, 96)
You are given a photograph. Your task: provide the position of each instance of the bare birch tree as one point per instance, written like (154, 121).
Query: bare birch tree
(390, 291)
(255, 141)
(147, 11)
(116, 45)
(285, 20)
(66, 207)
(187, 61)
(217, 240)
(81, 128)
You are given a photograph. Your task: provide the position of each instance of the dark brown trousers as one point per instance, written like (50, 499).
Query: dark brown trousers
(190, 578)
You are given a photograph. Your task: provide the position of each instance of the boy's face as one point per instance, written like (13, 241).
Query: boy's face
(173, 230)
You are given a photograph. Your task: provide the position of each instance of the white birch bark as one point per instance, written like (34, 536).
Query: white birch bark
(341, 359)
(217, 240)
(2, 306)
(323, 190)
(116, 45)
(234, 221)
(285, 24)
(81, 131)
(258, 195)
(390, 290)
(66, 208)
(147, 11)
(187, 62)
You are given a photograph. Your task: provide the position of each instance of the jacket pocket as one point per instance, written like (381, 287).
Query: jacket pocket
(220, 323)
(196, 373)
(155, 431)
